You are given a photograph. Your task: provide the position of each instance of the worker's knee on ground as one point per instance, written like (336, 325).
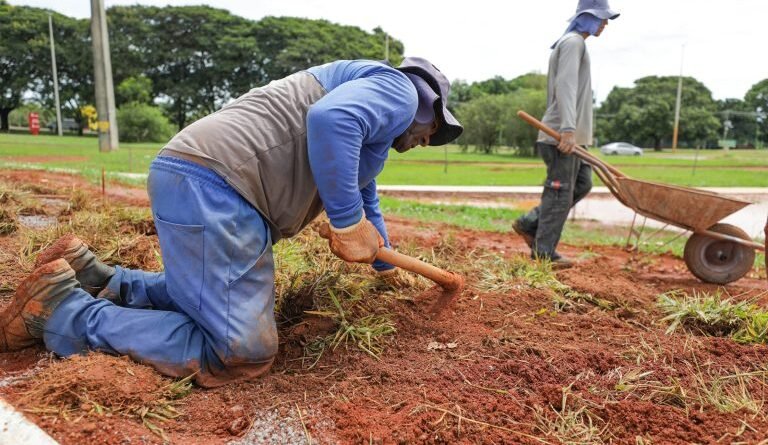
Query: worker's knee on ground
(249, 355)
(232, 373)
(255, 344)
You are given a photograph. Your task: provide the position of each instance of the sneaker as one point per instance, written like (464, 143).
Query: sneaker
(92, 274)
(22, 322)
(528, 237)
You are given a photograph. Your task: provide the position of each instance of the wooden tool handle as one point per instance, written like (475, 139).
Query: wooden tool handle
(578, 151)
(446, 280)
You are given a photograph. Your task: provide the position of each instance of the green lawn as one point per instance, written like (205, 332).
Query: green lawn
(488, 219)
(420, 166)
(74, 153)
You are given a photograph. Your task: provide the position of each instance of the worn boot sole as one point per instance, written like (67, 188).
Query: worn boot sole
(527, 237)
(35, 299)
(90, 271)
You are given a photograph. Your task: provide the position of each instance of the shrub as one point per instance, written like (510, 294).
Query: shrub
(143, 123)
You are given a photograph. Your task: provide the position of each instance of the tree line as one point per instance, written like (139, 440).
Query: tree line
(188, 60)
(642, 114)
(173, 65)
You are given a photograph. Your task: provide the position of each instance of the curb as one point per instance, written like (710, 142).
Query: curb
(15, 429)
(536, 190)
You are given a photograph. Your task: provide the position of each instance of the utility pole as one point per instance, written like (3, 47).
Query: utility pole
(59, 130)
(677, 102)
(102, 69)
(386, 47)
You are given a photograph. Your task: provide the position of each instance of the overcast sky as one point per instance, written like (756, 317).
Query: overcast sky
(724, 41)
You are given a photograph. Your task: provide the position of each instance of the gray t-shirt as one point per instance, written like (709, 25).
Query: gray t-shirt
(569, 90)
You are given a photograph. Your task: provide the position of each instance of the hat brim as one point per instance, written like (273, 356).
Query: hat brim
(602, 14)
(449, 127)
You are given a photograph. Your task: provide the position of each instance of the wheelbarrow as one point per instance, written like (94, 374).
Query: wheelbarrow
(716, 252)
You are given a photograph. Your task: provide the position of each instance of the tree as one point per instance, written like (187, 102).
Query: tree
(140, 122)
(483, 120)
(739, 119)
(488, 111)
(74, 58)
(644, 114)
(289, 44)
(491, 120)
(23, 45)
(136, 89)
(757, 100)
(462, 92)
(197, 57)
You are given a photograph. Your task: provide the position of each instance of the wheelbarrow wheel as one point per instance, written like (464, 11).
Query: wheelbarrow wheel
(718, 261)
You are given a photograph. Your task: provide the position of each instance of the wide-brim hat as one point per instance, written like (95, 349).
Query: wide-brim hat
(449, 127)
(598, 8)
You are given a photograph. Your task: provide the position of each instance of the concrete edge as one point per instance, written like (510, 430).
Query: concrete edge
(15, 429)
(538, 189)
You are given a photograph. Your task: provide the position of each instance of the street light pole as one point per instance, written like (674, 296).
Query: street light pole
(677, 102)
(102, 68)
(59, 129)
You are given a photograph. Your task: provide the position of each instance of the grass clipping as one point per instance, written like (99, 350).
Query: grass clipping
(713, 315)
(103, 385)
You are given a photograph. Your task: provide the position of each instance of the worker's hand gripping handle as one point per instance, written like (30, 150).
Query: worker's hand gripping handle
(446, 280)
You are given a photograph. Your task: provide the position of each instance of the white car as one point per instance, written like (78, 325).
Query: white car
(621, 148)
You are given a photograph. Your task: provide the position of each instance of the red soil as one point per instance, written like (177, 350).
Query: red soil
(514, 363)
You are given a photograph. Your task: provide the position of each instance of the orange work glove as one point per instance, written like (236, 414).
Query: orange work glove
(358, 243)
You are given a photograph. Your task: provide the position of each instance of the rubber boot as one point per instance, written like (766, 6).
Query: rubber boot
(92, 274)
(22, 322)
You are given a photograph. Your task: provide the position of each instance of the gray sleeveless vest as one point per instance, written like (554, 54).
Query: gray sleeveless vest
(258, 144)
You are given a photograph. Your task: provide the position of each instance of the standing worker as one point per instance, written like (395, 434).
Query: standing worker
(569, 111)
(222, 191)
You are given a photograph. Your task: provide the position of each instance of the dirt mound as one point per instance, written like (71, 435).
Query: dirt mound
(93, 382)
(522, 356)
(592, 277)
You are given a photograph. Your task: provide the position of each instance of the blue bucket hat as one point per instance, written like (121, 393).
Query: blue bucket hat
(433, 88)
(598, 8)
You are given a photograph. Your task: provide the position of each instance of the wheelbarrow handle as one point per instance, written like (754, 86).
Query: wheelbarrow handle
(578, 151)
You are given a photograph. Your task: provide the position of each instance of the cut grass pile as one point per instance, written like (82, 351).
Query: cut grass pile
(312, 282)
(699, 386)
(572, 422)
(503, 275)
(97, 385)
(118, 235)
(713, 315)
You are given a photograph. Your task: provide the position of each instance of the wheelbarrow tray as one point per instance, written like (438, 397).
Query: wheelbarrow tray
(686, 207)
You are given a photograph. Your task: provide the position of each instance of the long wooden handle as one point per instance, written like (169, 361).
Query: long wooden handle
(447, 280)
(578, 151)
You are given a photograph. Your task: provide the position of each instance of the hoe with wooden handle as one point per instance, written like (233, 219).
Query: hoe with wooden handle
(451, 283)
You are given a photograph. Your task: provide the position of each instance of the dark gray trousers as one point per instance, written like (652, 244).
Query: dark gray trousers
(568, 181)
